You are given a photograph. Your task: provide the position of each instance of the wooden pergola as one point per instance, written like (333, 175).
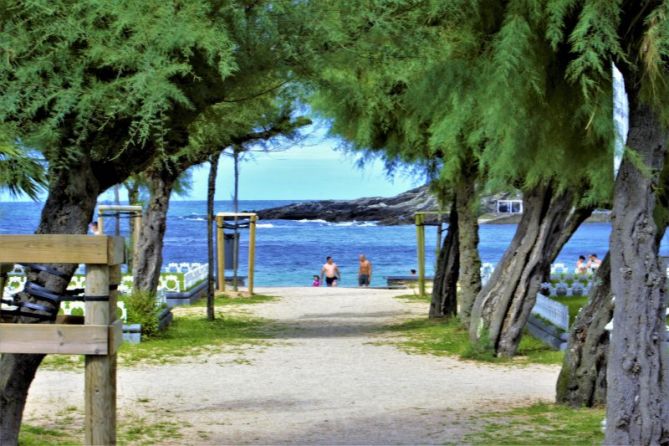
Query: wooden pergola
(420, 243)
(109, 210)
(220, 246)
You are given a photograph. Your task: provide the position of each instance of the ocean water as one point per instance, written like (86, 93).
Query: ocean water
(289, 253)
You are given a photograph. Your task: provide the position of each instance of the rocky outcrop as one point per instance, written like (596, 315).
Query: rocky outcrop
(396, 210)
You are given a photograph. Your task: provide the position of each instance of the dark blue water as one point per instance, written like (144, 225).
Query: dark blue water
(290, 252)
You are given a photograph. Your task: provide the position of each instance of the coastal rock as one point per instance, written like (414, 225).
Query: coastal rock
(396, 210)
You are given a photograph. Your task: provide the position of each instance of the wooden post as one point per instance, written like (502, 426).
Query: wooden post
(136, 231)
(440, 230)
(100, 381)
(5, 268)
(101, 225)
(420, 240)
(220, 254)
(252, 251)
(115, 277)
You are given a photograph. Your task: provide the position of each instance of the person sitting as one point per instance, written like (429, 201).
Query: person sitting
(94, 228)
(317, 280)
(581, 265)
(594, 262)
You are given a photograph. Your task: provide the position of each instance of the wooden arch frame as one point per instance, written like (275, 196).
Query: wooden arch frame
(220, 247)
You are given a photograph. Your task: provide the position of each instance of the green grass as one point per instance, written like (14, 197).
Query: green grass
(38, 436)
(425, 336)
(415, 297)
(131, 430)
(194, 335)
(222, 300)
(574, 304)
(540, 424)
(188, 336)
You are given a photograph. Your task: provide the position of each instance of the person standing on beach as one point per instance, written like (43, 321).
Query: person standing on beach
(364, 272)
(331, 272)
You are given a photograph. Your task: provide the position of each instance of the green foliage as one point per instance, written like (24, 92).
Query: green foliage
(541, 423)
(522, 87)
(70, 70)
(143, 309)
(19, 172)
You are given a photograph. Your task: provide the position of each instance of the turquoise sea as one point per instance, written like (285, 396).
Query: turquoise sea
(290, 252)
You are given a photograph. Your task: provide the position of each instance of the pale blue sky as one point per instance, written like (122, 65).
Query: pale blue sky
(312, 169)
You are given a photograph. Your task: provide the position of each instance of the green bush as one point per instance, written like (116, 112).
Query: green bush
(143, 309)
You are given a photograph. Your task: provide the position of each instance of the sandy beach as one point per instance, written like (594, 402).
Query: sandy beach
(330, 376)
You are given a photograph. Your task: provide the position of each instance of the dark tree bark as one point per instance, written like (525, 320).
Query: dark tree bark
(637, 397)
(582, 380)
(503, 306)
(148, 256)
(444, 290)
(211, 192)
(468, 239)
(69, 208)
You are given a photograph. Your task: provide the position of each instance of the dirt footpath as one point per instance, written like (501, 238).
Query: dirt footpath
(328, 378)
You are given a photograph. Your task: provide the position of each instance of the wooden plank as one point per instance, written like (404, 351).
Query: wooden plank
(220, 254)
(54, 339)
(100, 379)
(420, 241)
(58, 248)
(236, 214)
(252, 252)
(116, 325)
(112, 207)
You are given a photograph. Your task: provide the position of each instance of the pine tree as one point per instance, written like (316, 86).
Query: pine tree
(101, 88)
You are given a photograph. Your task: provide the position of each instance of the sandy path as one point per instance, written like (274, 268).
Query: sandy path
(325, 380)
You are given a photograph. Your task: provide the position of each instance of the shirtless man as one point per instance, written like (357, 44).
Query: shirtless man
(331, 272)
(365, 271)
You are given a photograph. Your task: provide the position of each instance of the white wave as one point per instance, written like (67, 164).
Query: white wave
(264, 225)
(305, 220)
(195, 219)
(355, 223)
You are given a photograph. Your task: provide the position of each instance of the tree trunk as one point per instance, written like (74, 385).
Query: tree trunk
(582, 380)
(133, 199)
(468, 238)
(637, 397)
(148, 258)
(503, 306)
(69, 208)
(444, 290)
(211, 192)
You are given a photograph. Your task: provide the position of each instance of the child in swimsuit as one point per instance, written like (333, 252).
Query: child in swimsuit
(317, 281)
